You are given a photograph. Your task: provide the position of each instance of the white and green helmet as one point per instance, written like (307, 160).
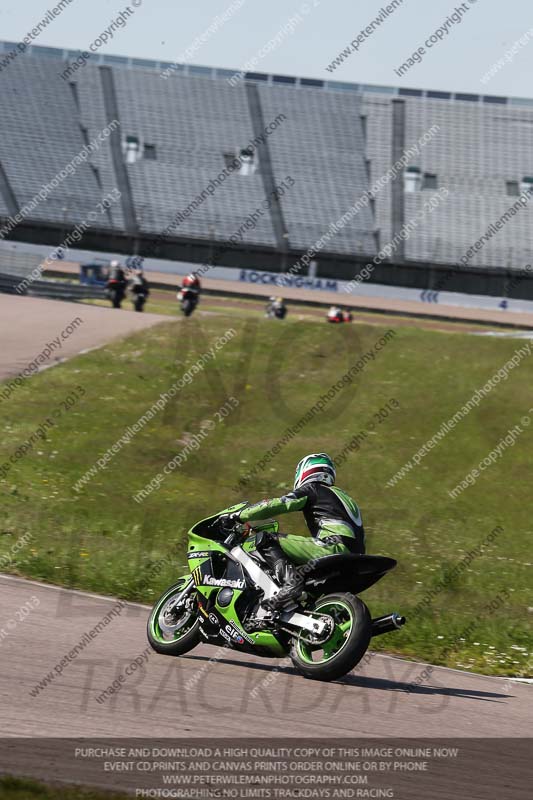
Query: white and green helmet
(315, 467)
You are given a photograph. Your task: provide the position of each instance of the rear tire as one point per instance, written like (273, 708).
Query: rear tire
(346, 646)
(185, 638)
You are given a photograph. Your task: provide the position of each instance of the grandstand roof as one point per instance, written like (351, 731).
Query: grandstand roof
(131, 62)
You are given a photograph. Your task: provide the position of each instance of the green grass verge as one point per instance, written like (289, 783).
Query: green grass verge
(100, 539)
(23, 789)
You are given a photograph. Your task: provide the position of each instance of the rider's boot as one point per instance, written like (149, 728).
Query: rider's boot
(284, 572)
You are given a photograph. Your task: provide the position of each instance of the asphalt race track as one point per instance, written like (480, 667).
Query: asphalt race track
(34, 329)
(207, 689)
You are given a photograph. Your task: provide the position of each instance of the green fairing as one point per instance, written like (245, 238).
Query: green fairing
(271, 508)
(202, 544)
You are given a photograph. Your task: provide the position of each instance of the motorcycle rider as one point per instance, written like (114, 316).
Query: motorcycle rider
(191, 282)
(332, 517)
(335, 314)
(189, 294)
(116, 284)
(139, 290)
(276, 308)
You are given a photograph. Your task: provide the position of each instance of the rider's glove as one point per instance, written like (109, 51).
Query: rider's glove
(229, 521)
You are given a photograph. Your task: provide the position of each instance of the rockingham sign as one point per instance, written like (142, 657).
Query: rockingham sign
(285, 280)
(34, 254)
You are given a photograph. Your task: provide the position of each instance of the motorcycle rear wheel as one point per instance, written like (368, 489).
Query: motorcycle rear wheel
(171, 633)
(346, 645)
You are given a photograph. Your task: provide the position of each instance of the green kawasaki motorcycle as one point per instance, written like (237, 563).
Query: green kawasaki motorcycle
(222, 602)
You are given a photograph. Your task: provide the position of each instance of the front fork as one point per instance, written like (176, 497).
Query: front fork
(182, 596)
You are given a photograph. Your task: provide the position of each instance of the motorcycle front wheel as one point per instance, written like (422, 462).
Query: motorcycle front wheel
(187, 306)
(174, 631)
(346, 643)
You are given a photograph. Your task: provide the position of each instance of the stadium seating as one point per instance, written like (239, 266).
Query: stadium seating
(39, 135)
(192, 123)
(334, 141)
(321, 145)
(478, 149)
(195, 124)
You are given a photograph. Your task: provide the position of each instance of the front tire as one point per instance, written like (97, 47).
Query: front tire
(171, 633)
(346, 645)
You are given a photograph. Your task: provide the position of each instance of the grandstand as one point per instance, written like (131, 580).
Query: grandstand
(334, 140)
(483, 153)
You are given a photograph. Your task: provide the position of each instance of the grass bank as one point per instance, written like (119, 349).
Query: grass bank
(99, 538)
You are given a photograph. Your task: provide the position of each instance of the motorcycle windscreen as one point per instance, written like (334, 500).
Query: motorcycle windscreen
(353, 573)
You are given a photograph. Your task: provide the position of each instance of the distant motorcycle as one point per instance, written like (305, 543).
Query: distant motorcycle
(115, 292)
(116, 284)
(276, 308)
(188, 299)
(338, 315)
(139, 289)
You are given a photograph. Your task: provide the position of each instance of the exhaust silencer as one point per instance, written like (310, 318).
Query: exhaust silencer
(388, 623)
